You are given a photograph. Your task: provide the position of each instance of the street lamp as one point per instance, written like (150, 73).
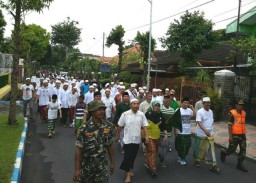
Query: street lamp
(149, 44)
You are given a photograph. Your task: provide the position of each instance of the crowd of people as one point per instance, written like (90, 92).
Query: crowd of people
(132, 117)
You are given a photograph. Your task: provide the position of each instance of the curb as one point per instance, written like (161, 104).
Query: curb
(19, 156)
(18, 102)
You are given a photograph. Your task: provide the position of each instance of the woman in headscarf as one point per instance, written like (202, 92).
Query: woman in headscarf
(154, 117)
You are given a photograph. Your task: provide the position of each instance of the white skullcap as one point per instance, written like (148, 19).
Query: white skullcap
(206, 99)
(141, 91)
(65, 84)
(73, 82)
(27, 79)
(159, 90)
(72, 77)
(140, 88)
(86, 81)
(112, 83)
(166, 89)
(57, 81)
(121, 83)
(94, 84)
(154, 90)
(107, 90)
(41, 78)
(122, 87)
(144, 88)
(134, 100)
(62, 78)
(133, 85)
(91, 86)
(45, 81)
(107, 84)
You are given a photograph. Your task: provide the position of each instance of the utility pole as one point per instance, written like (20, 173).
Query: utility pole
(237, 35)
(103, 45)
(149, 44)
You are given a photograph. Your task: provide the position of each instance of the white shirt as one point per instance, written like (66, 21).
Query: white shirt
(44, 96)
(113, 91)
(88, 97)
(27, 91)
(57, 91)
(132, 123)
(131, 95)
(144, 106)
(109, 103)
(53, 110)
(64, 98)
(206, 117)
(186, 114)
(72, 99)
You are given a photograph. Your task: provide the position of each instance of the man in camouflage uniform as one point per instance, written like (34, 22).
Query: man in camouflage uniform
(93, 140)
(237, 135)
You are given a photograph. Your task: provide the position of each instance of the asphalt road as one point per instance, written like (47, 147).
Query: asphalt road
(52, 161)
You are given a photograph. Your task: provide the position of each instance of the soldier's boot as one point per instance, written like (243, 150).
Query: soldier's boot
(241, 167)
(223, 155)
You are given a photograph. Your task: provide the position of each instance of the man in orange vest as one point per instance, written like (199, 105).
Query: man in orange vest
(237, 135)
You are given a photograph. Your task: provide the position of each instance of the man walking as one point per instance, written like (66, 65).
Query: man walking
(27, 90)
(94, 139)
(237, 135)
(132, 121)
(204, 136)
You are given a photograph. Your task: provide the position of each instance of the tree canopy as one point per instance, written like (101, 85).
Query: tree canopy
(143, 40)
(66, 34)
(2, 28)
(116, 37)
(189, 36)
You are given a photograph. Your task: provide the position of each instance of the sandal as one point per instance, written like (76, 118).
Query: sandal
(215, 169)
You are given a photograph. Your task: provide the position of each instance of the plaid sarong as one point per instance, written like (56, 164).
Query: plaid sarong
(202, 145)
(182, 145)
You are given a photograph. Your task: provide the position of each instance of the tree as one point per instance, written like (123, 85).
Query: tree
(143, 40)
(34, 42)
(66, 35)
(116, 37)
(203, 78)
(189, 36)
(6, 45)
(2, 28)
(16, 8)
(246, 46)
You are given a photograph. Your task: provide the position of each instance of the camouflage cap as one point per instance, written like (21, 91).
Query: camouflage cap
(95, 105)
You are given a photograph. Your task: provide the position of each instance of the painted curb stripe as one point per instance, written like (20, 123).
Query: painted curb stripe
(19, 156)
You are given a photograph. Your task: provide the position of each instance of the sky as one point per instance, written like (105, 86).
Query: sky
(96, 17)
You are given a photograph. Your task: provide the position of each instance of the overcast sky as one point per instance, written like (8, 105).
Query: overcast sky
(98, 16)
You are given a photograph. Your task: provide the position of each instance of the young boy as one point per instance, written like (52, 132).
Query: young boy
(80, 107)
(53, 108)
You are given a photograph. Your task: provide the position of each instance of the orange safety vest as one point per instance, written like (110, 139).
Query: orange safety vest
(239, 122)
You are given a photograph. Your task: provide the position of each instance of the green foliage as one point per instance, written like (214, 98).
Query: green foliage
(116, 37)
(66, 34)
(87, 66)
(216, 103)
(203, 78)
(130, 56)
(221, 35)
(34, 41)
(143, 40)
(189, 36)
(2, 28)
(246, 46)
(127, 77)
(7, 45)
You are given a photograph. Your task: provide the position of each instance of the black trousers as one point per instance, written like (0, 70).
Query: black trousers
(130, 153)
(64, 118)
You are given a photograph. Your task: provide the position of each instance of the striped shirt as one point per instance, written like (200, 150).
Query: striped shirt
(167, 114)
(80, 106)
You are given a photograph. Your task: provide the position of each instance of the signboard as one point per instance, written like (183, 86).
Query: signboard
(104, 68)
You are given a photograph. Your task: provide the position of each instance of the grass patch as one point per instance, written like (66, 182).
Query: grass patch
(9, 142)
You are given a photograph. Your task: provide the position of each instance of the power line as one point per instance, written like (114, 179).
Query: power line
(172, 15)
(231, 10)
